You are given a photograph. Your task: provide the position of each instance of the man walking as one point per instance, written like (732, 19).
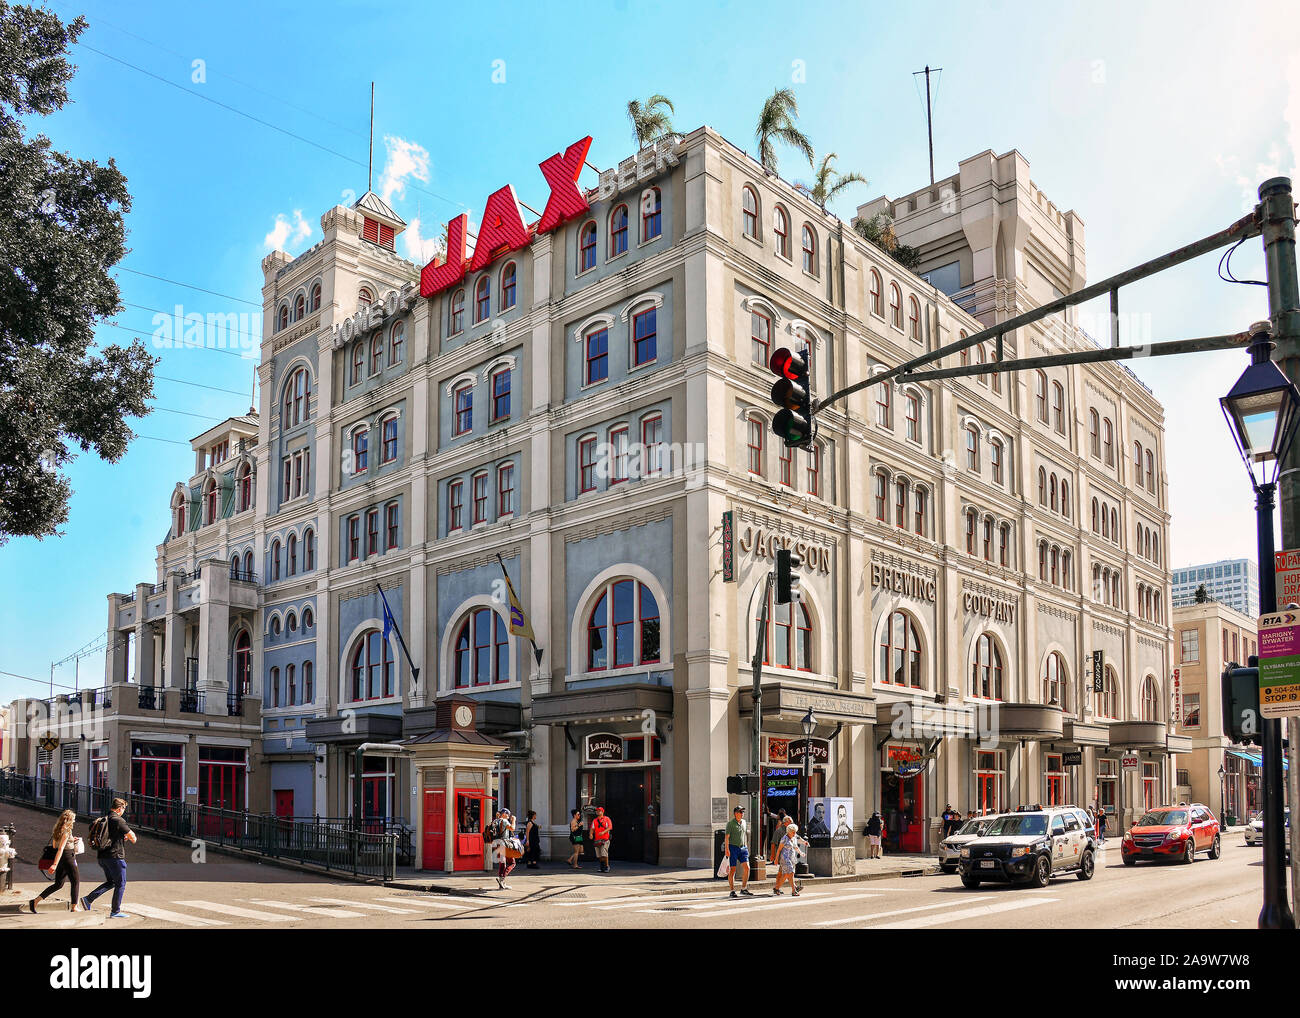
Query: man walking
(109, 835)
(733, 845)
(600, 831)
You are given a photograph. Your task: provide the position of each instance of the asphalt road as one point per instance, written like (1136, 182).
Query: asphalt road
(223, 894)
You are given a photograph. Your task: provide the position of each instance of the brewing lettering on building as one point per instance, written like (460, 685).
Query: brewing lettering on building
(766, 543)
(997, 608)
(902, 581)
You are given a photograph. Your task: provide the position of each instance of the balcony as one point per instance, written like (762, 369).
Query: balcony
(150, 698)
(235, 705)
(192, 701)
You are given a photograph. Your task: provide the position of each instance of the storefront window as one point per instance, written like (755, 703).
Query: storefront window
(1107, 784)
(990, 779)
(1150, 786)
(1054, 784)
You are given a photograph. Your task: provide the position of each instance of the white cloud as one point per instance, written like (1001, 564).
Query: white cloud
(406, 160)
(418, 247)
(285, 232)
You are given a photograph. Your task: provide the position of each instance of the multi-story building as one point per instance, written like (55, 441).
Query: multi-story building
(586, 406)
(1207, 638)
(1234, 582)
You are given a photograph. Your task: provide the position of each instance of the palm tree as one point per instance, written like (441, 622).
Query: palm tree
(776, 123)
(650, 122)
(828, 182)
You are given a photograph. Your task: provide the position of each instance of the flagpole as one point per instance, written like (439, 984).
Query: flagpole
(415, 672)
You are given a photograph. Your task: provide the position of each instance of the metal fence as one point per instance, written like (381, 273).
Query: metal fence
(330, 844)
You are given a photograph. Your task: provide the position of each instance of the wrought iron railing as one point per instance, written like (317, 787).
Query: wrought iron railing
(192, 701)
(331, 845)
(150, 698)
(234, 705)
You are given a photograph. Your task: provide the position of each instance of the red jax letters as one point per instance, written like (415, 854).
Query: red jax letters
(503, 228)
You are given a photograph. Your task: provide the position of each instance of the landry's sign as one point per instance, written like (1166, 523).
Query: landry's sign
(997, 608)
(766, 543)
(604, 747)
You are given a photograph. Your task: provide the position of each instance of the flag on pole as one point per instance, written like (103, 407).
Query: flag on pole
(519, 624)
(391, 626)
(389, 623)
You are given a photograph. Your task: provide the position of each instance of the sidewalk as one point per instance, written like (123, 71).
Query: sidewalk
(625, 877)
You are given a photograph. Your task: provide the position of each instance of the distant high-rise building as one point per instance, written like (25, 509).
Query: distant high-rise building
(1234, 582)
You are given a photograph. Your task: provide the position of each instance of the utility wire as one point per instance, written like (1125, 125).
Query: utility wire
(1225, 268)
(172, 313)
(199, 385)
(180, 345)
(169, 441)
(43, 682)
(189, 286)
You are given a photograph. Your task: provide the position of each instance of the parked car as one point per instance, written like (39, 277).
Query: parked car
(1255, 829)
(1030, 846)
(950, 847)
(1172, 832)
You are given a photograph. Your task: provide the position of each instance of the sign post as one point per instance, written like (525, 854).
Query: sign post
(1279, 665)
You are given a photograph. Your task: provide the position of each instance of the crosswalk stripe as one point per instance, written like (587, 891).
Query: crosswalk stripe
(149, 912)
(363, 904)
(317, 910)
(421, 903)
(965, 913)
(241, 913)
(897, 911)
(727, 902)
(662, 899)
(803, 899)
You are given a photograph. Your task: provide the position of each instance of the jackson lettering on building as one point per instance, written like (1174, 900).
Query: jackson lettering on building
(999, 609)
(766, 543)
(903, 581)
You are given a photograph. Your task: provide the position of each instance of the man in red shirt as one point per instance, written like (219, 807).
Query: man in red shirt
(600, 829)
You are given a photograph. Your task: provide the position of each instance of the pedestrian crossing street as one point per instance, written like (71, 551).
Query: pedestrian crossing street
(846, 907)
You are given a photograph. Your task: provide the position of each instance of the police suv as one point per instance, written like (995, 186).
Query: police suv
(1031, 846)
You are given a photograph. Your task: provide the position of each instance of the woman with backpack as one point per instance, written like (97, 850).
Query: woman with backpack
(63, 856)
(503, 829)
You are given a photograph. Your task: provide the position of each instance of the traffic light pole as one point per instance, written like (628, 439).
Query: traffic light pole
(760, 642)
(1277, 221)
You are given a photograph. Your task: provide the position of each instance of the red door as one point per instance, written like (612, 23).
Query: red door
(911, 811)
(284, 802)
(433, 855)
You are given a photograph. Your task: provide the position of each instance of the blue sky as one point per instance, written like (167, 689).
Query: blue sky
(1153, 122)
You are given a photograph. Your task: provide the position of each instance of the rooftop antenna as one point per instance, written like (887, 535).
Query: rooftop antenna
(929, 112)
(369, 167)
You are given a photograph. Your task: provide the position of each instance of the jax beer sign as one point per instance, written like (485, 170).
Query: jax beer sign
(502, 228)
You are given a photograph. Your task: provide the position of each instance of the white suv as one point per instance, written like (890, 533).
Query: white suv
(950, 847)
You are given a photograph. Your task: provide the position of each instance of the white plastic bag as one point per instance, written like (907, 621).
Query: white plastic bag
(724, 867)
(78, 846)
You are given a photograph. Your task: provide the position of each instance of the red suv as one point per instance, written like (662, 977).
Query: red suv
(1172, 832)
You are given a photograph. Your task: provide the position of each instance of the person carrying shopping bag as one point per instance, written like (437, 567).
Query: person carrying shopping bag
(61, 855)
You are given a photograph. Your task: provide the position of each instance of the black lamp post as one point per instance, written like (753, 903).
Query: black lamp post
(1262, 412)
(1223, 804)
(807, 724)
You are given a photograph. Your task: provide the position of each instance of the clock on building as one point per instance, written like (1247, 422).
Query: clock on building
(464, 716)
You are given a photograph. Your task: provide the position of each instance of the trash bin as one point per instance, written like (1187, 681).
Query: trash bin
(719, 837)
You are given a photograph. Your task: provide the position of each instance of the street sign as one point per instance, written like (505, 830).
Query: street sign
(1279, 665)
(1072, 759)
(1098, 671)
(1286, 566)
(49, 743)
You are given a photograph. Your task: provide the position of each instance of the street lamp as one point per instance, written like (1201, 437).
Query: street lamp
(1223, 805)
(1261, 411)
(807, 724)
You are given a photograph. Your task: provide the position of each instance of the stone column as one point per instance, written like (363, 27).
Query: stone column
(115, 658)
(144, 650)
(214, 636)
(449, 816)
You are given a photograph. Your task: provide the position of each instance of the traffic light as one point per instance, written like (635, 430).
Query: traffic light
(787, 577)
(792, 394)
(1241, 718)
(742, 784)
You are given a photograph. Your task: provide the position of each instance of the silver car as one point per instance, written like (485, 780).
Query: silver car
(950, 847)
(1255, 829)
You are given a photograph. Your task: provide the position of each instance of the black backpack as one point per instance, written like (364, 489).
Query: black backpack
(100, 837)
(490, 833)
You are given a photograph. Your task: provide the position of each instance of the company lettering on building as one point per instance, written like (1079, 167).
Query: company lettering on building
(765, 544)
(997, 608)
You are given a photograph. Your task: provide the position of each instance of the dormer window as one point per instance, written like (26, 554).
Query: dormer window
(376, 232)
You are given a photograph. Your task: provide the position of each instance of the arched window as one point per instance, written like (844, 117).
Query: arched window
(291, 622)
(396, 341)
(973, 448)
(1004, 545)
(364, 296)
(308, 551)
(299, 307)
(986, 669)
(234, 566)
(882, 495)
(749, 211)
(900, 652)
(360, 450)
(1151, 473)
(462, 405)
(508, 274)
(900, 504)
(756, 432)
(988, 539)
(996, 375)
(297, 398)
(248, 565)
(482, 298)
(913, 404)
(1150, 700)
(1155, 548)
(1114, 526)
(211, 502)
(388, 445)
(315, 297)
(377, 353)
(482, 650)
(787, 643)
(1066, 581)
(1108, 441)
(275, 625)
(307, 618)
(1108, 702)
(618, 231)
(896, 306)
(809, 250)
(245, 477)
(918, 502)
(1065, 498)
(623, 627)
(178, 518)
(275, 560)
(275, 687)
(1094, 517)
(243, 663)
(652, 224)
(884, 405)
(972, 527)
(587, 247)
(1137, 463)
(877, 299)
(1056, 566)
(456, 319)
(358, 361)
(1051, 497)
(1042, 561)
(1042, 486)
(290, 686)
(1094, 431)
(1058, 406)
(914, 320)
(1040, 392)
(291, 557)
(1056, 691)
(373, 676)
(283, 321)
(781, 231)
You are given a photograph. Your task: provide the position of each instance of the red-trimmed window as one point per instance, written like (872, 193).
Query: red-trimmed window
(291, 555)
(360, 451)
(815, 470)
(478, 490)
(248, 564)
(463, 403)
(587, 247)
(914, 318)
(284, 318)
(913, 417)
(482, 650)
(596, 351)
(1058, 406)
(809, 250)
(972, 448)
(290, 686)
(308, 551)
(390, 526)
(900, 652)
(297, 398)
(364, 296)
(243, 663)
(372, 667)
(652, 436)
(986, 669)
(388, 449)
(788, 640)
(299, 307)
(618, 231)
(505, 490)
(275, 560)
(918, 506)
(210, 500)
(354, 538)
(651, 214)
(760, 335)
(455, 505)
(995, 460)
(900, 504)
(508, 274)
(308, 692)
(1040, 393)
(372, 532)
(1151, 472)
(781, 231)
(275, 687)
(785, 454)
(618, 454)
(749, 211)
(896, 306)
(882, 496)
(482, 298)
(623, 627)
(971, 526)
(396, 340)
(1004, 545)
(377, 353)
(358, 362)
(315, 297)
(884, 408)
(644, 338)
(501, 394)
(877, 295)
(756, 433)
(456, 321)
(587, 464)
(286, 471)
(988, 540)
